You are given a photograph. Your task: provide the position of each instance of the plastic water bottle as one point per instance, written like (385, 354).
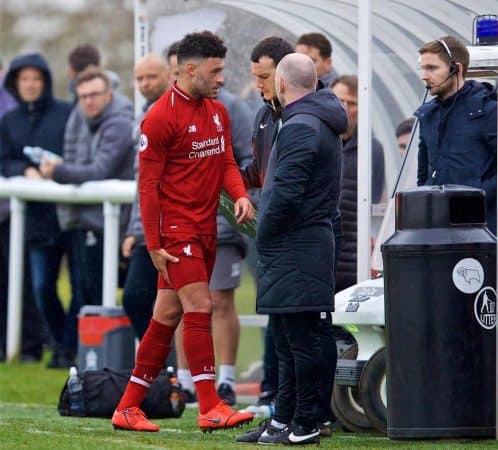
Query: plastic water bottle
(38, 154)
(75, 389)
(175, 396)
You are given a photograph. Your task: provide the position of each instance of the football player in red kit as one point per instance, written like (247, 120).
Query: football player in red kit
(185, 159)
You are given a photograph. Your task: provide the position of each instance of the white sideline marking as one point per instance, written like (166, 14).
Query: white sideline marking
(36, 431)
(370, 438)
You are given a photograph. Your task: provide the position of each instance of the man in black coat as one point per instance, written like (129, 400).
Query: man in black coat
(346, 89)
(295, 242)
(39, 120)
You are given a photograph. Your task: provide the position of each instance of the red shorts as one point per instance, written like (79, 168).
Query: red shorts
(197, 253)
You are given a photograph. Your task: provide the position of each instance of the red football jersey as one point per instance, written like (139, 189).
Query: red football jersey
(185, 157)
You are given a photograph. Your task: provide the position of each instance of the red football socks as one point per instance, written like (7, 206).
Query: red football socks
(198, 347)
(152, 352)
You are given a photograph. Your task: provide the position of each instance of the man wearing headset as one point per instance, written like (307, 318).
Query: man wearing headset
(458, 126)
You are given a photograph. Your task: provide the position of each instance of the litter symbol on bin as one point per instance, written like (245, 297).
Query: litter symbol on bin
(485, 308)
(468, 275)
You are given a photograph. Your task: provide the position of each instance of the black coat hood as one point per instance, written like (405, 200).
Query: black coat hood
(322, 104)
(36, 61)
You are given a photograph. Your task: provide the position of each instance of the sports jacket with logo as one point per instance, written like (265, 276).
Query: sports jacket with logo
(185, 158)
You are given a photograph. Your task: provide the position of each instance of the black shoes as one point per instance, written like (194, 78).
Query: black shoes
(267, 434)
(252, 435)
(299, 436)
(327, 428)
(226, 393)
(273, 435)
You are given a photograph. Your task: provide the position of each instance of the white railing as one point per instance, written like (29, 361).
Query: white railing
(111, 193)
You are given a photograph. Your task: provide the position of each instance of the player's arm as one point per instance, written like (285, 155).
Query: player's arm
(152, 158)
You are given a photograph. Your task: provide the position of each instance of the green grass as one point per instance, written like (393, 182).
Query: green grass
(29, 419)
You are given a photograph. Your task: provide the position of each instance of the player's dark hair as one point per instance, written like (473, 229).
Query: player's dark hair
(200, 45)
(273, 47)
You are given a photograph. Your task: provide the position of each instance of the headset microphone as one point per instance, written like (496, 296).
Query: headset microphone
(451, 73)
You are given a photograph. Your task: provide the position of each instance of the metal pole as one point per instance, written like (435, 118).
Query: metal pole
(364, 138)
(111, 248)
(141, 34)
(16, 275)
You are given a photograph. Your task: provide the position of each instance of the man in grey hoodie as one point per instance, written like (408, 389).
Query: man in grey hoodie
(100, 150)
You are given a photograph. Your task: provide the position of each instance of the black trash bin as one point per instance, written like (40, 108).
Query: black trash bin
(440, 301)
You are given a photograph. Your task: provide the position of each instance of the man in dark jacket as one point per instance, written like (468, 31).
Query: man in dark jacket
(346, 89)
(458, 127)
(39, 120)
(264, 59)
(295, 242)
(103, 149)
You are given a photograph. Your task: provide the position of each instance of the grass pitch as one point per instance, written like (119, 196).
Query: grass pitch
(29, 419)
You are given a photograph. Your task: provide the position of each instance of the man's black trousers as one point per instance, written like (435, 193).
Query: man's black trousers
(297, 344)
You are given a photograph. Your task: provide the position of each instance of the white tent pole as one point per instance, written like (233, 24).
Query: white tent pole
(364, 137)
(141, 37)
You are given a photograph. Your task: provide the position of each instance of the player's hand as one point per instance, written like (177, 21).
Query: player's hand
(243, 210)
(160, 259)
(127, 246)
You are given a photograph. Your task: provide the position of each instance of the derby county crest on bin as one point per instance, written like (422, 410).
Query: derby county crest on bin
(485, 308)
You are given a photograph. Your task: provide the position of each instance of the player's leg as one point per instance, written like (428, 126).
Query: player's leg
(152, 352)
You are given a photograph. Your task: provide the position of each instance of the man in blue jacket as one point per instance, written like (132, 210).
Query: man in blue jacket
(458, 126)
(39, 120)
(295, 243)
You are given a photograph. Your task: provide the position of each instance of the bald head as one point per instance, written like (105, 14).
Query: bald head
(295, 77)
(152, 76)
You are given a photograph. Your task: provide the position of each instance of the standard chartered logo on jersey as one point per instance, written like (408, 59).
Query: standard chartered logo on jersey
(209, 147)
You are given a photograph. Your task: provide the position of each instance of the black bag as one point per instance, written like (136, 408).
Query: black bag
(103, 389)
